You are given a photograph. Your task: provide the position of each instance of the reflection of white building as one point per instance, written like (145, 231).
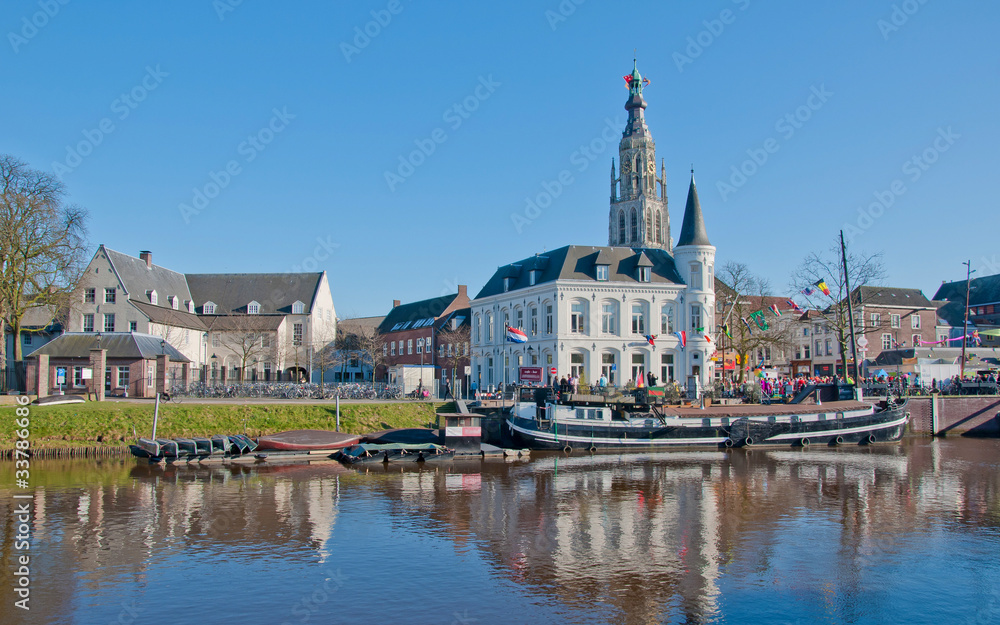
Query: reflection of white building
(587, 310)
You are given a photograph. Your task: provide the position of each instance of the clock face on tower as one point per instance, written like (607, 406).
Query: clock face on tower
(651, 168)
(627, 166)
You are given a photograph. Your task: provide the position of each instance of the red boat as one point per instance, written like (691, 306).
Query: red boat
(306, 440)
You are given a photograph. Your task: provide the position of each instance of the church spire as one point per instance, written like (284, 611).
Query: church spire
(693, 227)
(636, 123)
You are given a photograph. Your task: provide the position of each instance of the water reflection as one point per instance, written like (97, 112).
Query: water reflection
(838, 534)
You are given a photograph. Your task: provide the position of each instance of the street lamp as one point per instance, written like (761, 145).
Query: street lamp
(965, 329)
(215, 367)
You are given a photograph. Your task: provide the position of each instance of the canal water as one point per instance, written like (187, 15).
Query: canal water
(907, 533)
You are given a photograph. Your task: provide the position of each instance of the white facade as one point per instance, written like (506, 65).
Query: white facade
(591, 327)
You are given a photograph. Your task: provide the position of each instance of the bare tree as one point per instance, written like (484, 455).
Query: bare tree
(42, 245)
(746, 293)
(248, 337)
(863, 269)
(325, 352)
(456, 352)
(371, 347)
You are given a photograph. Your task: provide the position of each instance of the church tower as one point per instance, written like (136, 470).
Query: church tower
(638, 216)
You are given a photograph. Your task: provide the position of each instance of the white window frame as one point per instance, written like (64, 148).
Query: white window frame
(110, 295)
(109, 317)
(894, 321)
(886, 340)
(602, 273)
(609, 318)
(420, 346)
(298, 308)
(208, 308)
(87, 317)
(90, 296)
(915, 321)
(253, 308)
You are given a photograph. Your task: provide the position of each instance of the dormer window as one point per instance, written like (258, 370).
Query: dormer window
(151, 294)
(602, 273)
(208, 308)
(644, 274)
(172, 300)
(507, 284)
(533, 277)
(298, 308)
(189, 305)
(253, 308)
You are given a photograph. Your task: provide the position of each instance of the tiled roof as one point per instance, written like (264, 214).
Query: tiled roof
(891, 296)
(169, 316)
(579, 262)
(985, 290)
(119, 345)
(413, 315)
(138, 279)
(275, 292)
(242, 323)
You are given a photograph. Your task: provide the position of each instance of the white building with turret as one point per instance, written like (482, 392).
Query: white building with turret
(636, 306)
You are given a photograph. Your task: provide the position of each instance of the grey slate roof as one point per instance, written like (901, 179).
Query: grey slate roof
(985, 290)
(950, 313)
(412, 313)
(232, 292)
(462, 317)
(693, 227)
(890, 296)
(242, 323)
(138, 279)
(579, 262)
(169, 316)
(358, 324)
(40, 318)
(119, 345)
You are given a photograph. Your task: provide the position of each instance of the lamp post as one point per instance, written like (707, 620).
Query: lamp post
(965, 328)
(215, 365)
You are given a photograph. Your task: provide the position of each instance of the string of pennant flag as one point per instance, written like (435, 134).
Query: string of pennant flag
(760, 320)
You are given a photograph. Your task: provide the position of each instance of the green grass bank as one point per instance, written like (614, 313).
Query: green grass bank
(111, 424)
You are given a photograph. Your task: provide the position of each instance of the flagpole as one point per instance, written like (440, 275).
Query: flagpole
(850, 312)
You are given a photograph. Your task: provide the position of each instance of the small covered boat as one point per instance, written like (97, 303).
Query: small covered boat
(392, 452)
(306, 440)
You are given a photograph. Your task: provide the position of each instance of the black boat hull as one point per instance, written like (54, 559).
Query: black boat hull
(886, 426)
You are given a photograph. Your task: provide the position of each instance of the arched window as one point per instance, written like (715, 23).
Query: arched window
(659, 228)
(638, 163)
(635, 185)
(621, 227)
(635, 226)
(649, 226)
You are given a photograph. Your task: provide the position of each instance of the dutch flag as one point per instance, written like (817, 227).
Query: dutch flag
(515, 335)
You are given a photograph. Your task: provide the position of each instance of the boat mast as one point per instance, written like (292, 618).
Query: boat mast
(850, 311)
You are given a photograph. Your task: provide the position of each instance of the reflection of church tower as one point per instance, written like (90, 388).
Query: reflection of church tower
(638, 216)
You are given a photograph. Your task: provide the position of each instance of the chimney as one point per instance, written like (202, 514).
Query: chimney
(147, 257)
(395, 303)
(463, 291)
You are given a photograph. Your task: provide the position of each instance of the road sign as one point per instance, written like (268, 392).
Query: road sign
(86, 373)
(552, 370)
(862, 342)
(61, 375)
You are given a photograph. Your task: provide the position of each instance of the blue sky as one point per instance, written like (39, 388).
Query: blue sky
(296, 126)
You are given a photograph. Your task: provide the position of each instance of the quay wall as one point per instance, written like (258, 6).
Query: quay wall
(968, 416)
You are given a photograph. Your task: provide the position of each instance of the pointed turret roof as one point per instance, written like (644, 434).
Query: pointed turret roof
(693, 228)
